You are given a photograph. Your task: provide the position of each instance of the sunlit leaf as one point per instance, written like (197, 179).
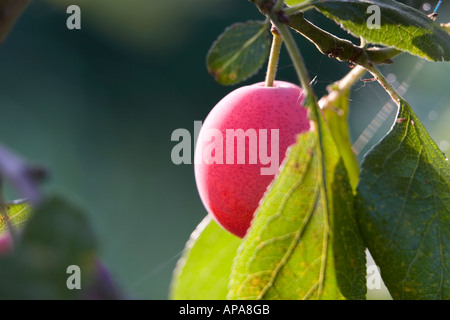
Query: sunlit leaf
(400, 26)
(18, 213)
(204, 269)
(303, 242)
(403, 209)
(239, 52)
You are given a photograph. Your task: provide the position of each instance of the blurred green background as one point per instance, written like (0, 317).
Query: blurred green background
(97, 107)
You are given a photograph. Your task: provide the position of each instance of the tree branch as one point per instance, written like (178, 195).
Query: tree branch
(341, 49)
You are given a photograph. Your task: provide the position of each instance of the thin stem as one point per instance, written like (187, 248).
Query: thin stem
(278, 5)
(296, 57)
(380, 55)
(273, 58)
(395, 96)
(335, 47)
(342, 85)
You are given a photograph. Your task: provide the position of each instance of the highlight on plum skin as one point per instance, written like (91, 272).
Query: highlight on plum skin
(241, 145)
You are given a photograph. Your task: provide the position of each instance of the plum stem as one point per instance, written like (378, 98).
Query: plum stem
(295, 56)
(274, 57)
(395, 96)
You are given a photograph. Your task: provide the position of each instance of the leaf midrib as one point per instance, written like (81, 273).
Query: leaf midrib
(319, 193)
(293, 245)
(244, 47)
(299, 232)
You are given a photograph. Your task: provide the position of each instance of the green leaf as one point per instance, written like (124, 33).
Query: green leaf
(239, 52)
(337, 120)
(303, 242)
(403, 205)
(56, 237)
(204, 269)
(18, 213)
(401, 26)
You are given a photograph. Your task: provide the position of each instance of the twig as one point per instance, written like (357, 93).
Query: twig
(336, 90)
(341, 49)
(395, 96)
(277, 41)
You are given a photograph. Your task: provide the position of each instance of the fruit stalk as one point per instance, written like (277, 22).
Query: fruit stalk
(395, 96)
(295, 55)
(274, 57)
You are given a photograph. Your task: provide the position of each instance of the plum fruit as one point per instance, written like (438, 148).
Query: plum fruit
(240, 147)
